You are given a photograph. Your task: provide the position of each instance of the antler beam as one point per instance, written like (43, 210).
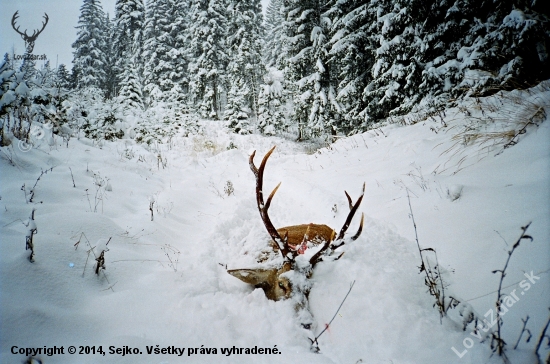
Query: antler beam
(282, 243)
(13, 19)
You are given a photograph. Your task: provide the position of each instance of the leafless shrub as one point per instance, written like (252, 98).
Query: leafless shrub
(498, 345)
(433, 278)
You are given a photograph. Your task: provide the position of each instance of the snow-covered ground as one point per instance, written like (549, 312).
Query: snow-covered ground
(165, 282)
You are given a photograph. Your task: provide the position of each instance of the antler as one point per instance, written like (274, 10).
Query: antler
(25, 36)
(263, 207)
(333, 245)
(15, 16)
(43, 27)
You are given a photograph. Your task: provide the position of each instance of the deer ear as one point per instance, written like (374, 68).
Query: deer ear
(252, 276)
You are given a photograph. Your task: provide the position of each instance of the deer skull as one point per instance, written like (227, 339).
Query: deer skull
(291, 279)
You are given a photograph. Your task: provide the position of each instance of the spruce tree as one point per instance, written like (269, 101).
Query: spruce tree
(273, 39)
(110, 84)
(128, 37)
(397, 67)
(208, 55)
(165, 44)
(89, 57)
(236, 114)
(130, 93)
(63, 77)
(245, 63)
(179, 55)
(352, 53)
(307, 45)
(271, 119)
(511, 46)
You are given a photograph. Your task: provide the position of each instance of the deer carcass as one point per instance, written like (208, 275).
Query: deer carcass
(301, 247)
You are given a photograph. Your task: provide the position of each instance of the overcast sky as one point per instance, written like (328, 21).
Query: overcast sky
(56, 39)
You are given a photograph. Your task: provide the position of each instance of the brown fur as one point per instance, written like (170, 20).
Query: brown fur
(270, 280)
(316, 234)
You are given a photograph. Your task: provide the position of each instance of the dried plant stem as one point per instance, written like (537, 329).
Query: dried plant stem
(522, 331)
(497, 343)
(431, 280)
(541, 339)
(31, 192)
(74, 185)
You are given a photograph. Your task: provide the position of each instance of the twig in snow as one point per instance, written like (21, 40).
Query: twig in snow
(314, 343)
(498, 345)
(29, 239)
(435, 289)
(522, 331)
(541, 339)
(88, 197)
(100, 260)
(74, 185)
(31, 193)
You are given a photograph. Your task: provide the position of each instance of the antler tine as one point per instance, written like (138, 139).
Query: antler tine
(37, 32)
(13, 19)
(354, 237)
(360, 230)
(263, 207)
(353, 209)
(350, 215)
(350, 202)
(43, 25)
(271, 196)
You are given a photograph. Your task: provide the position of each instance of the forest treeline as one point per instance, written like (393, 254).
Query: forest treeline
(333, 67)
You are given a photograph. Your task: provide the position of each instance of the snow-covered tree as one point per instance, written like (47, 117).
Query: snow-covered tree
(397, 67)
(180, 56)
(164, 48)
(245, 65)
(7, 92)
(110, 83)
(271, 118)
(208, 54)
(89, 57)
(63, 77)
(510, 45)
(352, 55)
(130, 93)
(45, 76)
(273, 38)
(236, 113)
(128, 37)
(308, 68)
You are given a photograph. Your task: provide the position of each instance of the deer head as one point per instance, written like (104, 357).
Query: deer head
(29, 39)
(301, 247)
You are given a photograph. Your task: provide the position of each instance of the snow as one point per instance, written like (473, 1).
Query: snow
(165, 280)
